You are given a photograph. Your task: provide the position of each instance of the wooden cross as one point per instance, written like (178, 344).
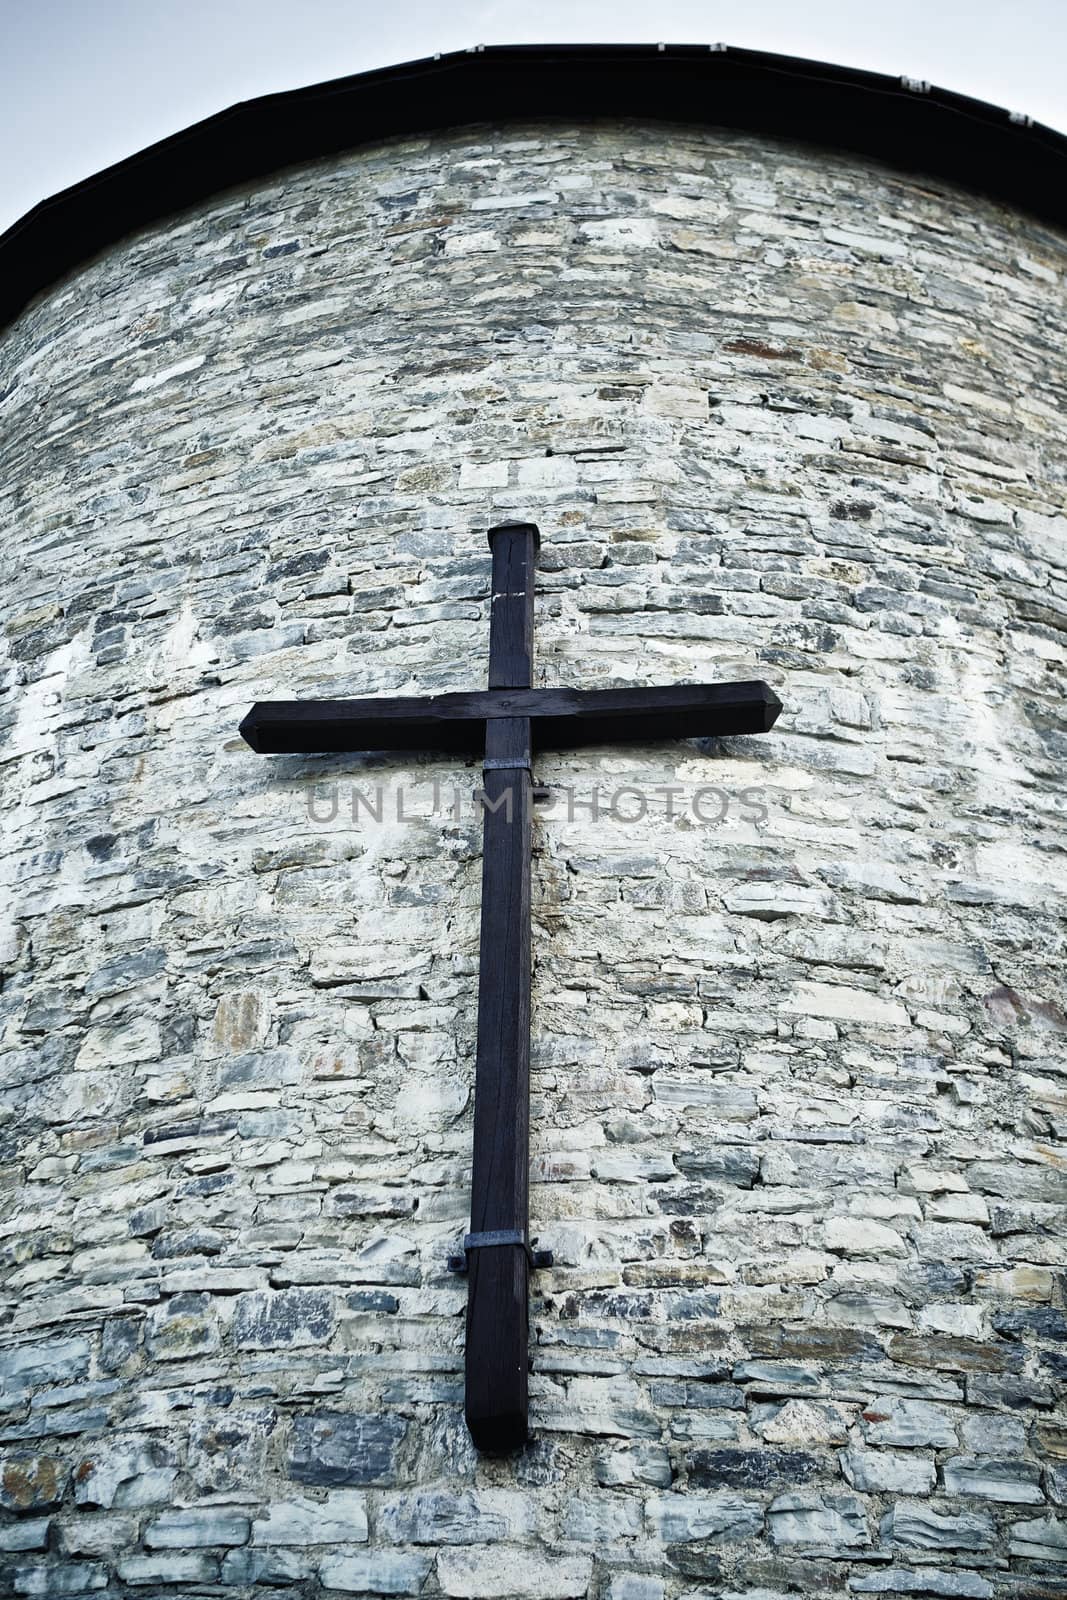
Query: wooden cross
(508, 721)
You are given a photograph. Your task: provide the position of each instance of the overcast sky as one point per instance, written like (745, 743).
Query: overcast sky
(85, 82)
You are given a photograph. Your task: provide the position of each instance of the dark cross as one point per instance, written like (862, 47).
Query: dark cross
(509, 721)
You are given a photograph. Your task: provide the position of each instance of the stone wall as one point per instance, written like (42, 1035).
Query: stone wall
(798, 1071)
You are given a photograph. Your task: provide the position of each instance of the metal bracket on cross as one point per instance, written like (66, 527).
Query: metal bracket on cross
(498, 1236)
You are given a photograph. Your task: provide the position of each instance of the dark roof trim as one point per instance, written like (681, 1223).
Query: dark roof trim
(910, 125)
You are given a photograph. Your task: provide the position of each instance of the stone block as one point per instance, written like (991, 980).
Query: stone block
(228, 1447)
(641, 1463)
(601, 1520)
(258, 1070)
(1009, 1479)
(345, 1449)
(634, 1586)
(956, 1584)
(339, 1518)
(912, 1424)
(830, 1523)
(55, 1580)
(994, 1434)
(96, 1534)
(437, 1516)
(283, 1319)
(914, 1526)
(680, 1518)
(24, 1367)
(120, 1339)
(1039, 1539)
(749, 1469)
(195, 1527)
(184, 1326)
(888, 1471)
(31, 1483)
(804, 1422)
(844, 1004)
(488, 1572)
(278, 1565)
(862, 1238)
(29, 1533)
(127, 1474)
(187, 1568)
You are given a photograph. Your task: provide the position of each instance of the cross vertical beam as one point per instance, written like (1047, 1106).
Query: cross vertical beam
(497, 1357)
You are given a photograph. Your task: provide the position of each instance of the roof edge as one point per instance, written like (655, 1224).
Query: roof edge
(911, 125)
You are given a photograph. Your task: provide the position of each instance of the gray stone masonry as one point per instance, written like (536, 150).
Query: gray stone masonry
(800, 1052)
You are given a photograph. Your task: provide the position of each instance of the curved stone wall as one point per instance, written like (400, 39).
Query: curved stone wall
(798, 1044)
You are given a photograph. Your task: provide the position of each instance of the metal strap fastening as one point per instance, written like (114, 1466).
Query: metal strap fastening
(498, 1236)
(506, 764)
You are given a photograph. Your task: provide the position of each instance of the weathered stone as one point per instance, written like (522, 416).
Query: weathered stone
(678, 1518)
(284, 1319)
(1020, 1394)
(241, 1022)
(266, 1069)
(1039, 1539)
(490, 1571)
(699, 1396)
(926, 1580)
(749, 1469)
(225, 1447)
(1011, 1480)
(168, 1569)
(769, 901)
(25, 1366)
(846, 1004)
(805, 1422)
(633, 1464)
(634, 1586)
(438, 1517)
(736, 1164)
(914, 1526)
(1016, 1283)
(344, 1448)
(815, 1344)
(778, 1378)
(93, 1534)
(888, 1471)
(29, 1533)
(1039, 1322)
(278, 1565)
(55, 1580)
(30, 1483)
(991, 1434)
(196, 1526)
(833, 1523)
(915, 1424)
(601, 1520)
(126, 1474)
(339, 1518)
(184, 1326)
(1050, 1439)
(119, 1340)
(856, 1236)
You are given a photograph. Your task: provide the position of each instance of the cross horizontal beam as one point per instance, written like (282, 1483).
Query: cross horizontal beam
(559, 718)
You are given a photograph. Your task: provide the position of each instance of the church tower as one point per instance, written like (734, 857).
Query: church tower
(758, 364)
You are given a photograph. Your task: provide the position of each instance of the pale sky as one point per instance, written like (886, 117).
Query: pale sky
(85, 82)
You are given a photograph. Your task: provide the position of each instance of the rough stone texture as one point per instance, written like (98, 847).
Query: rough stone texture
(799, 1046)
